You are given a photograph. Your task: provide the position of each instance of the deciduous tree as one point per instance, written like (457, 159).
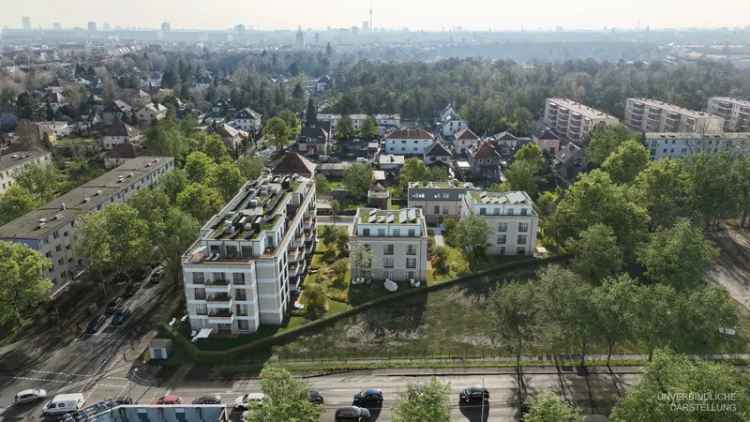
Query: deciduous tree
(427, 402)
(277, 132)
(596, 253)
(200, 201)
(626, 162)
(357, 180)
(604, 141)
(286, 399)
(23, 282)
(199, 167)
(227, 179)
(15, 202)
(548, 407)
(250, 167)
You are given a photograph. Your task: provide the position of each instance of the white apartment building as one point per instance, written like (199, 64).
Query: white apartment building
(647, 115)
(408, 142)
(735, 112)
(50, 229)
(450, 122)
(574, 121)
(679, 145)
(438, 200)
(388, 122)
(513, 223)
(251, 256)
(397, 240)
(247, 119)
(13, 164)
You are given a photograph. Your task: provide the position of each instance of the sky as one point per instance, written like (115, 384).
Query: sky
(392, 14)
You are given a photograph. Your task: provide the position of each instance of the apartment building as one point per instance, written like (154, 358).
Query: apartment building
(735, 112)
(679, 145)
(647, 115)
(513, 223)
(397, 240)
(50, 229)
(13, 164)
(438, 200)
(408, 142)
(251, 256)
(574, 121)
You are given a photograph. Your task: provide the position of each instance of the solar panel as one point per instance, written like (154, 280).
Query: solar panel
(372, 219)
(412, 215)
(390, 218)
(373, 211)
(381, 218)
(402, 216)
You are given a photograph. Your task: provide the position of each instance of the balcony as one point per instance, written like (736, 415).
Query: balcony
(219, 282)
(218, 298)
(220, 316)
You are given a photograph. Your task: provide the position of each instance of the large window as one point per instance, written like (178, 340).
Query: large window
(199, 278)
(523, 227)
(502, 227)
(411, 262)
(411, 249)
(502, 239)
(521, 239)
(388, 249)
(238, 278)
(387, 262)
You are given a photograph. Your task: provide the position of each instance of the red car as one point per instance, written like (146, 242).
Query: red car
(170, 399)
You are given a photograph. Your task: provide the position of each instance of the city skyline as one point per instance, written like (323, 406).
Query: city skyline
(388, 14)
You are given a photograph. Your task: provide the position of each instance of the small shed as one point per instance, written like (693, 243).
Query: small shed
(160, 348)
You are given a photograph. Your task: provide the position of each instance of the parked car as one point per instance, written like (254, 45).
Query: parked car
(120, 316)
(113, 306)
(243, 402)
(315, 397)
(95, 324)
(169, 399)
(473, 394)
(64, 403)
(352, 414)
(372, 397)
(208, 400)
(28, 396)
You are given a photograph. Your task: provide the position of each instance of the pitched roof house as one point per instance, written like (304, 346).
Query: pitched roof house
(465, 139)
(485, 162)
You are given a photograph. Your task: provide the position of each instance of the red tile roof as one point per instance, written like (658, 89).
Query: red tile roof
(409, 134)
(466, 134)
(486, 151)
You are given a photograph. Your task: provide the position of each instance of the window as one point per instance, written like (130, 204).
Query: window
(365, 232)
(240, 294)
(411, 262)
(243, 325)
(412, 233)
(524, 211)
(218, 277)
(411, 249)
(437, 209)
(523, 227)
(502, 239)
(238, 278)
(198, 278)
(396, 232)
(247, 251)
(521, 251)
(388, 249)
(482, 211)
(445, 210)
(410, 275)
(200, 294)
(502, 227)
(511, 211)
(232, 251)
(521, 239)
(387, 262)
(381, 232)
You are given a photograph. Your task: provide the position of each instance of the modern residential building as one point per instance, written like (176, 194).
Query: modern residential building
(574, 121)
(408, 142)
(13, 164)
(735, 112)
(679, 145)
(251, 256)
(397, 241)
(512, 221)
(161, 413)
(438, 200)
(51, 228)
(647, 115)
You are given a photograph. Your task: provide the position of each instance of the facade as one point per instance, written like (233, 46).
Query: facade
(647, 115)
(388, 122)
(151, 113)
(437, 153)
(248, 120)
(450, 122)
(548, 141)
(574, 121)
(397, 240)
(251, 256)
(314, 141)
(512, 221)
(408, 142)
(390, 162)
(161, 413)
(735, 112)
(50, 229)
(12, 165)
(120, 133)
(679, 145)
(465, 140)
(438, 200)
(486, 162)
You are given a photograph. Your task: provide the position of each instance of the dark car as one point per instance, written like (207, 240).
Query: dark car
(95, 324)
(208, 400)
(368, 398)
(120, 316)
(314, 397)
(113, 306)
(352, 414)
(472, 394)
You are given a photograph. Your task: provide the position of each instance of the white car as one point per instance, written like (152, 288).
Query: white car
(28, 396)
(243, 402)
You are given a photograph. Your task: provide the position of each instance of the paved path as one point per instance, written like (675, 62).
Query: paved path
(439, 239)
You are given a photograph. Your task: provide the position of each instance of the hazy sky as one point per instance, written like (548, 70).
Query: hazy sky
(415, 14)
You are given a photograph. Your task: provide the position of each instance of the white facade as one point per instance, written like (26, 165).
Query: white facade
(450, 122)
(12, 165)
(679, 145)
(647, 115)
(397, 241)
(572, 120)
(249, 258)
(408, 142)
(735, 112)
(151, 113)
(510, 216)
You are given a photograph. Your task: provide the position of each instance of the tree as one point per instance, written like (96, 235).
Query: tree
(292, 122)
(342, 240)
(198, 167)
(604, 141)
(626, 162)
(227, 179)
(703, 315)
(173, 182)
(286, 399)
(41, 180)
(677, 256)
(311, 114)
(15, 202)
(663, 189)
(369, 129)
(548, 407)
(277, 132)
(180, 230)
(413, 170)
(713, 194)
(596, 253)
(741, 170)
(151, 205)
(471, 235)
(327, 234)
(614, 311)
(361, 259)
(316, 300)
(655, 319)
(676, 388)
(250, 167)
(428, 402)
(345, 128)
(357, 180)
(211, 145)
(200, 201)
(113, 239)
(23, 282)
(440, 262)
(165, 139)
(322, 186)
(523, 176)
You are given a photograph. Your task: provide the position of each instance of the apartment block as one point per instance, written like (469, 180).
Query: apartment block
(735, 112)
(438, 200)
(397, 240)
(408, 142)
(51, 228)
(513, 223)
(574, 121)
(647, 115)
(679, 145)
(13, 164)
(251, 256)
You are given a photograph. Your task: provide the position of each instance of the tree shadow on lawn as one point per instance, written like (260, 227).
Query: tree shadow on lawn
(401, 316)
